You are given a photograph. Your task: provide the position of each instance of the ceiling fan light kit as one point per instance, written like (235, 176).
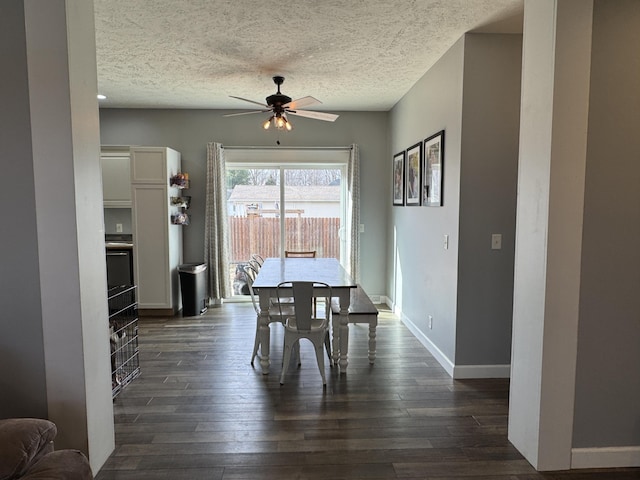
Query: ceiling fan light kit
(279, 121)
(280, 105)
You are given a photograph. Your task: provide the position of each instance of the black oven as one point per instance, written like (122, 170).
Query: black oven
(119, 265)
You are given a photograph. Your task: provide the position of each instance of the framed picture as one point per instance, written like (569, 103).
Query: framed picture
(433, 170)
(413, 175)
(398, 178)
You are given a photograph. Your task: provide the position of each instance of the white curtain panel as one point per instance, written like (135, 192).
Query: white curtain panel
(353, 213)
(216, 235)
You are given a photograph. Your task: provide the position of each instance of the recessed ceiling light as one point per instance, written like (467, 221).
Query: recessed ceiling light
(102, 97)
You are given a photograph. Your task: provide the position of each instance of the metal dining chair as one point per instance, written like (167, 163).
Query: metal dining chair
(277, 313)
(255, 264)
(258, 259)
(303, 323)
(300, 254)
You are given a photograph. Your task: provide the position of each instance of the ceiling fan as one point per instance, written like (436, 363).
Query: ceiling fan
(281, 105)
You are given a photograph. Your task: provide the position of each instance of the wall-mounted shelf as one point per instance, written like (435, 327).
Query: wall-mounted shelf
(181, 202)
(180, 218)
(179, 180)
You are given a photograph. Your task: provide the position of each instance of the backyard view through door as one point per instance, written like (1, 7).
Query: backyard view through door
(271, 210)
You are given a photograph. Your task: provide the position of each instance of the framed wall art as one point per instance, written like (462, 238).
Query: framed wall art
(398, 178)
(413, 175)
(433, 170)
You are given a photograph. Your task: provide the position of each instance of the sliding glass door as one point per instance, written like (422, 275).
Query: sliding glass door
(273, 208)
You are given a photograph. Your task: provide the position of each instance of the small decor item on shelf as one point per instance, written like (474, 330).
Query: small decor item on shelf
(180, 218)
(181, 202)
(180, 180)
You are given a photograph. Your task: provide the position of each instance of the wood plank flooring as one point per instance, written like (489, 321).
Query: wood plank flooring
(199, 410)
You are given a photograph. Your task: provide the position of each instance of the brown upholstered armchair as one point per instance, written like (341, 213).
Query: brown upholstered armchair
(26, 452)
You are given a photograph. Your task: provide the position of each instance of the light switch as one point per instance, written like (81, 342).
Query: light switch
(446, 242)
(118, 228)
(361, 229)
(496, 241)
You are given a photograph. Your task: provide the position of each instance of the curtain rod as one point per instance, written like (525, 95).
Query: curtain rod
(268, 147)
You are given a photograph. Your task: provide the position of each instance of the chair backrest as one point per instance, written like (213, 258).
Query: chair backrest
(255, 264)
(302, 300)
(300, 254)
(251, 276)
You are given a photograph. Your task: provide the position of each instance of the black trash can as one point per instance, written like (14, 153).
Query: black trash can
(193, 284)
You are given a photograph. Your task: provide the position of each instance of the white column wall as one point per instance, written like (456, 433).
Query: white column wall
(65, 140)
(553, 136)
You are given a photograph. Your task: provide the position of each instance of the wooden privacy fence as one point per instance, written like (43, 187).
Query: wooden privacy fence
(254, 234)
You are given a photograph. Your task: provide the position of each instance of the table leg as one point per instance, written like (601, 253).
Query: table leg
(344, 339)
(372, 341)
(335, 339)
(265, 333)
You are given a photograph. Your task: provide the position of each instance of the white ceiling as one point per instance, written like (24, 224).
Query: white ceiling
(350, 54)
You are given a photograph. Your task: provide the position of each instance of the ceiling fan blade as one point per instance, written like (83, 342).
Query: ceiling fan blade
(327, 117)
(245, 113)
(302, 103)
(250, 101)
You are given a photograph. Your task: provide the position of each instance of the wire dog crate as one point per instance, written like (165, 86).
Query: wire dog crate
(123, 336)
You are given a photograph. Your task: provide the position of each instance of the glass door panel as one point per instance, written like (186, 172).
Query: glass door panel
(312, 199)
(253, 199)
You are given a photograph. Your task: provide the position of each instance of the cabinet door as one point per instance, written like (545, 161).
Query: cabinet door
(116, 180)
(151, 247)
(149, 165)
(154, 164)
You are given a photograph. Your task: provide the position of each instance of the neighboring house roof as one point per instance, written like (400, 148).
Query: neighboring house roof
(271, 193)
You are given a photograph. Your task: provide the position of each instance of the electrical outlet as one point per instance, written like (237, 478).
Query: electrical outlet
(430, 322)
(496, 241)
(118, 228)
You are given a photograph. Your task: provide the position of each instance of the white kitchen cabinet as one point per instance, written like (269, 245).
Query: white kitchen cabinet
(157, 242)
(116, 177)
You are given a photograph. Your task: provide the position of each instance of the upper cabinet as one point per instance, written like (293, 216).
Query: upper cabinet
(116, 177)
(154, 165)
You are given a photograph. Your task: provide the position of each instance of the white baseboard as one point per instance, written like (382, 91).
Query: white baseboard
(482, 371)
(429, 345)
(608, 457)
(456, 371)
(376, 299)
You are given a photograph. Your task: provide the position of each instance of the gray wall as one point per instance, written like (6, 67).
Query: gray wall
(608, 363)
(188, 131)
(488, 178)
(422, 275)
(114, 216)
(473, 93)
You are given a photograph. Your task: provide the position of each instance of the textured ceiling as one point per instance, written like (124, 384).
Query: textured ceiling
(350, 54)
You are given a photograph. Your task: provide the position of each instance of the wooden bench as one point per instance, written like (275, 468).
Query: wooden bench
(361, 310)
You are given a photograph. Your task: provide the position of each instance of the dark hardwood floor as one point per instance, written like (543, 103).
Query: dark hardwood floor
(200, 411)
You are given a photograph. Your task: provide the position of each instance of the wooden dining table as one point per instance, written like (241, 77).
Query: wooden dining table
(326, 270)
